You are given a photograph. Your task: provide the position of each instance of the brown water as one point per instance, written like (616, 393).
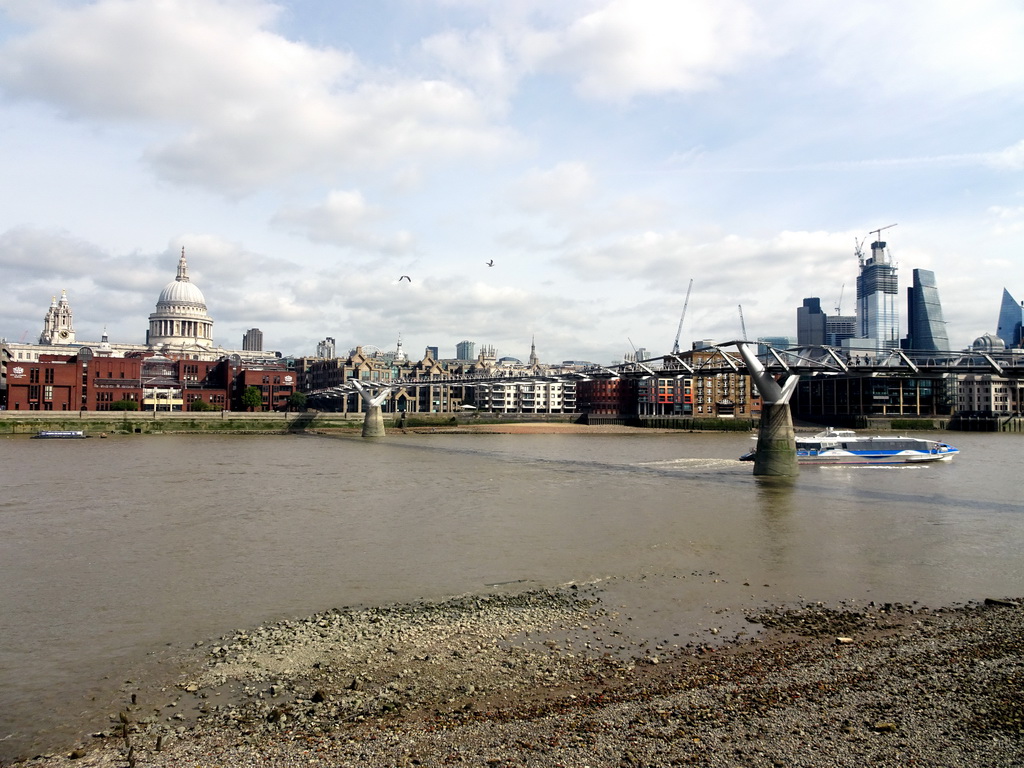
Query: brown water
(115, 554)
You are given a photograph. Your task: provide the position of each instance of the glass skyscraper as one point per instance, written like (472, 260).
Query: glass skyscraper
(1011, 318)
(876, 299)
(926, 330)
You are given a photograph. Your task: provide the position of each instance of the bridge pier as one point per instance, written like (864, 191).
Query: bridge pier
(776, 442)
(373, 422)
(775, 454)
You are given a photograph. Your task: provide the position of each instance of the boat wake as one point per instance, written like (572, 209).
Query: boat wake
(687, 463)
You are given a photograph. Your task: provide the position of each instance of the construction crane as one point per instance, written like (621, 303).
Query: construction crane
(878, 232)
(743, 325)
(679, 330)
(839, 304)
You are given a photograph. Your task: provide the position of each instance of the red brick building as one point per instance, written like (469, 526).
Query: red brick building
(92, 383)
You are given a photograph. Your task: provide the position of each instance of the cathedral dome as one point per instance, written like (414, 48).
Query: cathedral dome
(180, 320)
(181, 291)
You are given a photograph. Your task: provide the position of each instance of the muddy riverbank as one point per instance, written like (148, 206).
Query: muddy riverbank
(547, 677)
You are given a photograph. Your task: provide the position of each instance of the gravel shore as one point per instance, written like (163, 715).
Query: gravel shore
(546, 678)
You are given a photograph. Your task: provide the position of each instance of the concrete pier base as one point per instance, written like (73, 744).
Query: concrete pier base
(373, 423)
(776, 442)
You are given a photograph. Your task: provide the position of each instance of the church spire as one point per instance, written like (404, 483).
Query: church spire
(182, 268)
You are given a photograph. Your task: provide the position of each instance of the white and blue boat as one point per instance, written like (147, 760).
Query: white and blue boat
(844, 446)
(60, 434)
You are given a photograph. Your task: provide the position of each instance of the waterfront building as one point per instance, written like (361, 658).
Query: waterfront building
(877, 322)
(1011, 320)
(610, 398)
(527, 397)
(988, 394)
(676, 391)
(840, 399)
(926, 330)
(86, 382)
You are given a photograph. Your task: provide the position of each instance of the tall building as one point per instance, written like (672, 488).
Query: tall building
(252, 341)
(877, 322)
(465, 350)
(326, 348)
(926, 330)
(810, 323)
(1011, 320)
(839, 327)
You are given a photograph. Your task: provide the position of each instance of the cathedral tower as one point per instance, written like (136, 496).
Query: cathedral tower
(180, 321)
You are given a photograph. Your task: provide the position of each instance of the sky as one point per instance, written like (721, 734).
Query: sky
(602, 153)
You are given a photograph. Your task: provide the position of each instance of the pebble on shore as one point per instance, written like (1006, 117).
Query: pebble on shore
(542, 678)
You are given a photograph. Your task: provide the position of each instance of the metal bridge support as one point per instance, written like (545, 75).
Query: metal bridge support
(373, 422)
(776, 440)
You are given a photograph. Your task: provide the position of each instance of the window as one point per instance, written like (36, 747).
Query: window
(48, 375)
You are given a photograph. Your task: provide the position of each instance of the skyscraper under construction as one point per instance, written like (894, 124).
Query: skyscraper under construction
(877, 322)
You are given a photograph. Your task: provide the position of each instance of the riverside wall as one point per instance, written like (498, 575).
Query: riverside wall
(95, 423)
(149, 422)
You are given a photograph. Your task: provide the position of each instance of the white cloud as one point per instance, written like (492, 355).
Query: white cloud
(627, 47)
(344, 219)
(556, 190)
(943, 48)
(1009, 159)
(242, 106)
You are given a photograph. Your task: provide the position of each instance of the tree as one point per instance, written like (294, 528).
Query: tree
(124, 405)
(252, 399)
(202, 405)
(297, 400)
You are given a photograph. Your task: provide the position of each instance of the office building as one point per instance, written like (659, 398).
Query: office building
(1011, 315)
(839, 327)
(465, 350)
(810, 323)
(926, 330)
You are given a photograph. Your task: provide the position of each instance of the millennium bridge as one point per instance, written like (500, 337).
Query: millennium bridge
(808, 361)
(775, 374)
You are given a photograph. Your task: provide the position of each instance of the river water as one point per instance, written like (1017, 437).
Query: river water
(117, 553)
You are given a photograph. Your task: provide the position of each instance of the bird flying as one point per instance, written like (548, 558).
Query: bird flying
(490, 263)
(405, 277)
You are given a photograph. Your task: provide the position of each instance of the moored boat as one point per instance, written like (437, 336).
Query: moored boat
(60, 434)
(844, 446)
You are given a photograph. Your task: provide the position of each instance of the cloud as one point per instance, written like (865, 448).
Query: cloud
(942, 48)
(630, 47)
(556, 190)
(232, 104)
(343, 219)
(1009, 159)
